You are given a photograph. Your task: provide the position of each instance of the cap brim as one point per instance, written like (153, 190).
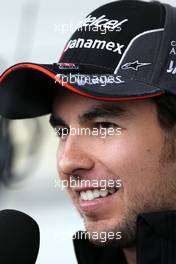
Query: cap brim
(27, 89)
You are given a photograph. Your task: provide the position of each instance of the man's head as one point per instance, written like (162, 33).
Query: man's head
(143, 157)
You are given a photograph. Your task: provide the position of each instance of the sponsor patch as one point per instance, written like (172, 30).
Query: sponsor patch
(68, 66)
(172, 67)
(103, 21)
(134, 65)
(94, 44)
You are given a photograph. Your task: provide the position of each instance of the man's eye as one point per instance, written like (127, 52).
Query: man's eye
(107, 125)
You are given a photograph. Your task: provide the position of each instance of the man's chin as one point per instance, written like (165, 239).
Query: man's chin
(121, 235)
(111, 238)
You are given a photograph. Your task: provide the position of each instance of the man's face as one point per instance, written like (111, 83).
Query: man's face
(140, 157)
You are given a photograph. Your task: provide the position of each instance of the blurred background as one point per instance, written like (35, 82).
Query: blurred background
(36, 31)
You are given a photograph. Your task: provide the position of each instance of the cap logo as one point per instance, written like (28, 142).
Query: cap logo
(134, 65)
(68, 66)
(94, 44)
(103, 21)
(173, 49)
(172, 68)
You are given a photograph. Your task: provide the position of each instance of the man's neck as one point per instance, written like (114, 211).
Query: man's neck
(130, 255)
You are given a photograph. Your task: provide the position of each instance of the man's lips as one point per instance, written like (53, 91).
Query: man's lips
(91, 188)
(93, 198)
(98, 203)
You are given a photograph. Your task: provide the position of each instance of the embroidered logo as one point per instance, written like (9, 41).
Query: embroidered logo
(94, 44)
(68, 66)
(172, 68)
(134, 65)
(103, 21)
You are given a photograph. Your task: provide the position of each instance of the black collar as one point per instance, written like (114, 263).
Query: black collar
(156, 243)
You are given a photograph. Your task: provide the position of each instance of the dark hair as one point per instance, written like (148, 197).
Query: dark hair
(166, 109)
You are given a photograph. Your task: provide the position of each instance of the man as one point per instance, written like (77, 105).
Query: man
(116, 81)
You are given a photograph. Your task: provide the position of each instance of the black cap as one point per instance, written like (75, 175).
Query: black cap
(124, 50)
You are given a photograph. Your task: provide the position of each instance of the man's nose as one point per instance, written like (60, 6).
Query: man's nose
(74, 157)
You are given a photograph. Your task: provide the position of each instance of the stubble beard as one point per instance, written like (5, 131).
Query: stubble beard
(159, 198)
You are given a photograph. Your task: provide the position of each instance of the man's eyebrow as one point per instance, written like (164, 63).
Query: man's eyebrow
(104, 110)
(56, 121)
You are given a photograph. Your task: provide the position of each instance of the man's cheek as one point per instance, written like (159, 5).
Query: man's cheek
(72, 196)
(58, 158)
